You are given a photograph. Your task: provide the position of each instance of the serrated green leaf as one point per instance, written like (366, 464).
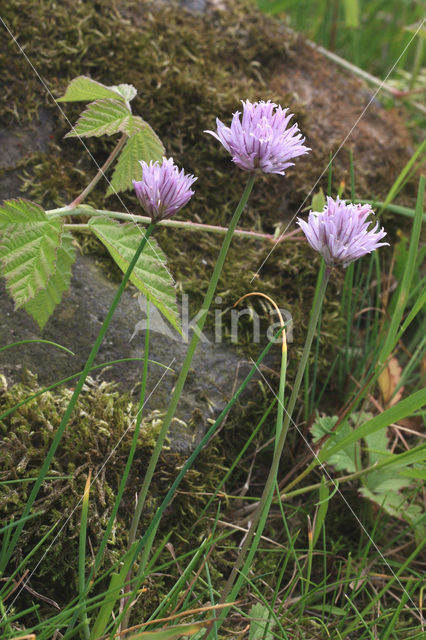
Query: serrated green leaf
(43, 304)
(84, 89)
(261, 623)
(150, 275)
(133, 125)
(394, 503)
(29, 243)
(100, 118)
(344, 460)
(144, 145)
(127, 91)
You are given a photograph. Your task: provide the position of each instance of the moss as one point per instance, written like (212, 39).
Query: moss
(98, 437)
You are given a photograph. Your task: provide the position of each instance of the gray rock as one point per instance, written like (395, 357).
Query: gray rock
(75, 325)
(77, 320)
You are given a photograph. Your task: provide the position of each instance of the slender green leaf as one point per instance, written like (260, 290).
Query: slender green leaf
(415, 474)
(394, 190)
(44, 302)
(82, 548)
(112, 595)
(173, 633)
(143, 145)
(324, 495)
(29, 244)
(403, 290)
(150, 275)
(400, 410)
(351, 8)
(84, 89)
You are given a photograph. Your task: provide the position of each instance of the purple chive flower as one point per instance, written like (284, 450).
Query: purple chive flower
(340, 232)
(261, 141)
(163, 189)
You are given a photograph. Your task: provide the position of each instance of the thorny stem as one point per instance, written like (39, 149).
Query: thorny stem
(100, 174)
(187, 225)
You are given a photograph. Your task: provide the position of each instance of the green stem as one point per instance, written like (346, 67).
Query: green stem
(234, 583)
(135, 522)
(144, 542)
(46, 464)
(190, 352)
(82, 552)
(132, 451)
(100, 174)
(418, 56)
(202, 315)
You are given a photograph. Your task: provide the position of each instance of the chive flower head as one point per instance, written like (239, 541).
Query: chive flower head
(341, 233)
(164, 189)
(261, 140)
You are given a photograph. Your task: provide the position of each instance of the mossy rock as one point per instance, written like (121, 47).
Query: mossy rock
(98, 440)
(190, 68)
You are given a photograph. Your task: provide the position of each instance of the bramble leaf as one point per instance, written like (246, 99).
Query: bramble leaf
(143, 145)
(43, 304)
(29, 243)
(395, 504)
(127, 91)
(102, 117)
(150, 274)
(261, 623)
(84, 89)
(388, 485)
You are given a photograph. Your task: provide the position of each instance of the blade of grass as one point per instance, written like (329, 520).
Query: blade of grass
(404, 288)
(397, 185)
(38, 340)
(376, 598)
(155, 521)
(82, 549)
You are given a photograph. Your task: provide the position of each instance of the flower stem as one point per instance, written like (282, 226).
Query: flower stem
(234, 583)
(100, 174)
(66, 417)
(190, 353)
